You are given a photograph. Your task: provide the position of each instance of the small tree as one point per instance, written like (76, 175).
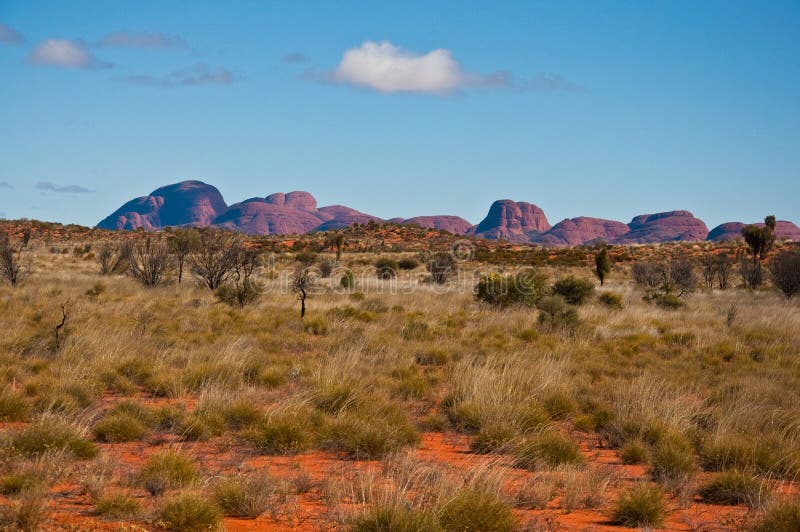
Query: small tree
(12, 265)
(183, 243)
(150, 262)
(442, 267)
(708, 262)
(723, 265)
(760, 241)
(303, 283)
(339, 243)
(602, 265)
(574, 290)
(785, 272)
(242, 289)
(215, 257)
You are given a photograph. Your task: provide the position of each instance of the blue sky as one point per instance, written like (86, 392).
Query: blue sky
(606, 109)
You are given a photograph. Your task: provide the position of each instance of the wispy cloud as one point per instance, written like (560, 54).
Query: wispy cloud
(387, 68)
(9, 35)
(130, 39)
(5, 184)
(64, 53)
(295, 57)
(198, 74)
(48, 186)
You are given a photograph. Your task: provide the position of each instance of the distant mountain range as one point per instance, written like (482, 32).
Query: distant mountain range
(194, 203)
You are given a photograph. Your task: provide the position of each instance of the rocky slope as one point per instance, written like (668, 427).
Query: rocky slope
(196, 203)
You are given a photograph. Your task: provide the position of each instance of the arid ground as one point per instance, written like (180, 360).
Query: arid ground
(396, 404)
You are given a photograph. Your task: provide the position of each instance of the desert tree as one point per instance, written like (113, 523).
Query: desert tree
(339, 243)
(647, 273)
(150, 262)
(214, 258)
(441, 266)
(241, 289)
(13, 265)
(759, 241)
(303, 283)
(183, 243)
(708, 264)
(602, 265)
(722, 269)
(114, 258)
(674, 277)
(784, 269)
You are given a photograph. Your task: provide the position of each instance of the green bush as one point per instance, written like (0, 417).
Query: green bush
(386, 268)
(574, 290)
(348, 280)
(634, 452)
(548, 449)
(238, 294)
(369, 434)
(166, 470)
(13, 406)
(610, 300)
(559, 405)
(673, 459)
(16, 483)
(119, 427)
(641, 506)
(492, 438)
(525, 288)
(408, 263)
(554, 312)
(780, 516)
(243, 496)
(730, 487)
(52, 434)
(281, 433)
(188, 512)
(117, 506)
(394, 517)
(473, 509)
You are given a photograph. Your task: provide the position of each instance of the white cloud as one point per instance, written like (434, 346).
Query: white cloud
(65, 54)
(9, 35)
(128, 39)
(388, 68)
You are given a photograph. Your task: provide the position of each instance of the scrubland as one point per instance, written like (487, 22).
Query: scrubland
(395, 405)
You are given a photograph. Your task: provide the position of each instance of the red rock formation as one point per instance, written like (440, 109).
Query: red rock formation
(451, 224)
(665, 227)
(784, 230)
(582, 230)
(185, 203)
(511, 220)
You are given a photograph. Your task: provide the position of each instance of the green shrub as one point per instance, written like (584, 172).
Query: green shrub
(634, 452)
(116, 428)
(780, 516)
(16, 483)
(548, 449)
(117, 506)
(408, 263)
(574, 290)
(473, 509)
(673, 459)
(166, 470)
(49, 434)
(348, 280)
(559, 405)
(243, 496)
(281, 433)
(386, 268)
(13, 406)
(730, 487)
(394, 517)
(525, 288)
(188, 512)
(554, 312)
(610, 300)
(492, 438)
(641, 506)
(238, 294)
(27, 514)
(369, 434)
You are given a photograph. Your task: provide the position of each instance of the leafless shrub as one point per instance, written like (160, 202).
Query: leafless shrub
(242, 289)
(723, 266)
(13, 266)
(303, 283)
(647, 274)
(752, 275)
(442, 266)
(215, 258)
(150, 262)
(114, 258)
(183, 243)
(785, 272)
(675, 277)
